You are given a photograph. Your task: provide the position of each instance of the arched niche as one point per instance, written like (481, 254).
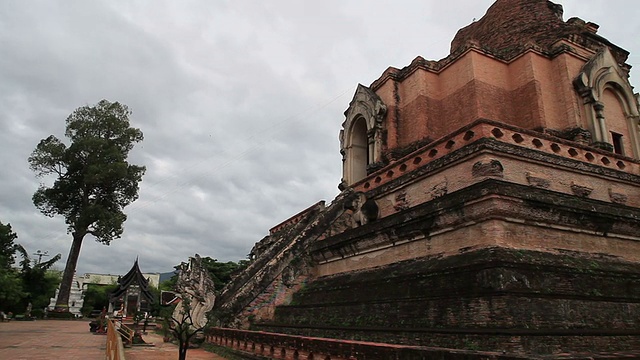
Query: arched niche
(358, 150)
(610, 105)
(361, 134)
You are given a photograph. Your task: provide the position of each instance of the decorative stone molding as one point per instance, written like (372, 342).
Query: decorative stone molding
(601, 73)
(483, 128)
(366, 107)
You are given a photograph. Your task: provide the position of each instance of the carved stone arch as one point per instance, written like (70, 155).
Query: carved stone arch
(598, 75)
(361, 134)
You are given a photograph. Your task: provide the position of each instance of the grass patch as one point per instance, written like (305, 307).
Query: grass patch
(222, 351)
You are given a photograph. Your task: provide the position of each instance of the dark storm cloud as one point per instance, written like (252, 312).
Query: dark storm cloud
(240, 103)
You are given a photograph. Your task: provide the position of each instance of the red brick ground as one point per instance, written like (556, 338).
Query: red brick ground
(71, 340)
(50, 339)
(165, 351)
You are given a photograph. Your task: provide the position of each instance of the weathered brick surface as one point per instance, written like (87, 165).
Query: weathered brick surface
(511, 25)
(515, 300)
(515, 65)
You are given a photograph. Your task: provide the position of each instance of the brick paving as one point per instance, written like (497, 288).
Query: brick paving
(50, 339)
(164, 351)
(71, 340)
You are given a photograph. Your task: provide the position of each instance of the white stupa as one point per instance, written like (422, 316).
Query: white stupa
(76, 298)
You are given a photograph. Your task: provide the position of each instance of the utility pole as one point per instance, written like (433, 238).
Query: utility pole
(40, 254)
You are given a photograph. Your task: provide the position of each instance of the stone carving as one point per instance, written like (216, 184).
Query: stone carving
(261, 246)
(439, 189)
(194, 282)
(503, 279)
(363, 210)
(538, 181)
(492, 168)
(580, 190)
(401, 202)
(617, 198)
(576, 134)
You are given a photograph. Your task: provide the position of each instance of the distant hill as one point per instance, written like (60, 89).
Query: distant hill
(166, 276)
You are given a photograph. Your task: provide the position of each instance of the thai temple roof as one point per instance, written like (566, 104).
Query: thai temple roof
(133, 277)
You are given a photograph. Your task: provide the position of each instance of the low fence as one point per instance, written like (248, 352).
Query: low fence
(292, 347)
(115, 348)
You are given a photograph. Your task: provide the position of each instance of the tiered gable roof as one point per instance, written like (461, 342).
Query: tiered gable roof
(133, 277)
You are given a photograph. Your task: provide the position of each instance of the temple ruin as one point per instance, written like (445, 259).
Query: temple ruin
(489, 208)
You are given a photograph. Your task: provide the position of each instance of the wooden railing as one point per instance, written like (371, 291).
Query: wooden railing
(115, 348)
(125, 332)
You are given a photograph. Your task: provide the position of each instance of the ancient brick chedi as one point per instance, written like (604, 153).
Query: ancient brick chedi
(490, 202)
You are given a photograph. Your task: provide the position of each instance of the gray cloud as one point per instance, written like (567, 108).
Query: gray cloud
(240, 103)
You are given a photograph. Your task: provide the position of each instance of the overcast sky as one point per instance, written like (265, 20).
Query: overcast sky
(240, 103)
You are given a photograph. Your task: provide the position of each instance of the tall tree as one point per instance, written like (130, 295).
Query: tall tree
(94, 181)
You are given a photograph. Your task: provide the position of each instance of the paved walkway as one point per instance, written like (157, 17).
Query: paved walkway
(165, 351)
(71, 340)
(50, 339)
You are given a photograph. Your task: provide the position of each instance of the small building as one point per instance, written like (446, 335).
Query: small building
(132, 294)
(110, 279)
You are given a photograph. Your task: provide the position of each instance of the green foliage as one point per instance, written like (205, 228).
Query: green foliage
(8, 248)
(156, 309)
(31, 283)
(94, 181)
(11, 291)
(221, 350)
(40, 283)
(169, 285)
(220, 272)
(96, 297)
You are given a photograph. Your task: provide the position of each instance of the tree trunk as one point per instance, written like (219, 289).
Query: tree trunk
(182, 351)
(62, 302)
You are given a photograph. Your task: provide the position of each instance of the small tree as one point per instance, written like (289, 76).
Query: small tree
(94, 181)
(96, 297)
(182, 328)
(30, 284)
(39, 281)
(11, 290)
(8, 247)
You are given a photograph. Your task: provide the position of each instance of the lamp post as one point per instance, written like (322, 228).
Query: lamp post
(40, 254)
